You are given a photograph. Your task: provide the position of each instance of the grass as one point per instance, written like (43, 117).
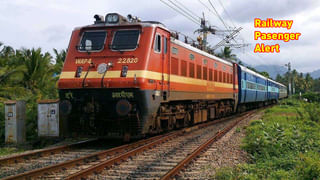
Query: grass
(9, 150)
(285, 144)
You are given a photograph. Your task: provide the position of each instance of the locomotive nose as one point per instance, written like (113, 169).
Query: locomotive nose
(123, 107)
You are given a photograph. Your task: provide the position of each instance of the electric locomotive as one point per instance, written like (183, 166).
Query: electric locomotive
(124, 77)
(127, 77)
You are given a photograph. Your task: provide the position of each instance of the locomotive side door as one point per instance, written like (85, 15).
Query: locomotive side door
(162, 46)
(166, 64)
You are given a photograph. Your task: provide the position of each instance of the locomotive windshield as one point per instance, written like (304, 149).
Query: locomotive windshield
(125, 40)
(92, 41)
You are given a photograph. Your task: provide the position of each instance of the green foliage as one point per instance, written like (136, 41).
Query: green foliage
(284, 145)
(303, 83)
(29, 75)
(311, 96)
(265, 74)
(9, 150)
(226, 53)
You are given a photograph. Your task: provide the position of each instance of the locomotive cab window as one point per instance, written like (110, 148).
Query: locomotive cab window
(92, 41)
(157, 43)
(125, 40)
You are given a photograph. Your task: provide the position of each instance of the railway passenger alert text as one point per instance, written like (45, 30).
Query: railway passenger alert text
(271, 23)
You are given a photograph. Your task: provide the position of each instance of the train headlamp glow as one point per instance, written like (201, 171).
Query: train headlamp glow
(112, 18)
(102, 68)
(110, 64)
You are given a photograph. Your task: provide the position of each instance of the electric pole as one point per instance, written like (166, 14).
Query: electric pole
(289, 77)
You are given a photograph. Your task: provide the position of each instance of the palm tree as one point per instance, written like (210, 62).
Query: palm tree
(39, 77)
(60, 57)
(226, 53)
(11, 73)
(308, 82)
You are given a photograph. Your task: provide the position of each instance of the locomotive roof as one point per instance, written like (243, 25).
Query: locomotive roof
(142, 24)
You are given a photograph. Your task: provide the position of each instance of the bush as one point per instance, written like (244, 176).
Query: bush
(311, 96)
(284, 145)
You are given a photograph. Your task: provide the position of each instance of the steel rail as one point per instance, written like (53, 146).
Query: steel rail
(134, 148)
(41, 152)
(106, 164)
(81, 160)
(122, 157)
(201, 148)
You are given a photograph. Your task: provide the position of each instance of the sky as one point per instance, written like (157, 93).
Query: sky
(49, 23)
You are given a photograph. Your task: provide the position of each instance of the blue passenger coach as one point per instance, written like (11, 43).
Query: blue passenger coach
(273, 90)
(256, 90)
(252, 86)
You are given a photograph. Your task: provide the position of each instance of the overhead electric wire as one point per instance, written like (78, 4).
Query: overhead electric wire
(207, 8)
(185, 11)
(231, 19)
(191, 19)
(225, 25)
(188, 9)
(227, 13)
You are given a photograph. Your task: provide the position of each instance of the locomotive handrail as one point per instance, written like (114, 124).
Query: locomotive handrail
(102, 84)
(85, 76)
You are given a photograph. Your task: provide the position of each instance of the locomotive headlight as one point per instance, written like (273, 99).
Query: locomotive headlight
(112, 18)
(102, 68)
(110, 64)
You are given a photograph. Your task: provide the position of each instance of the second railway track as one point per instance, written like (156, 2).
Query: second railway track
(158, 157)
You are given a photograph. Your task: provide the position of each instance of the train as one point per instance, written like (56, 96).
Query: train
(123, 77)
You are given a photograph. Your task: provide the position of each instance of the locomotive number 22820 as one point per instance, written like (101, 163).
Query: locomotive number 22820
(127, 60)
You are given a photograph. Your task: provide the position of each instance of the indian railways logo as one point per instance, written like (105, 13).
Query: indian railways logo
(83, 61)
(122, 94)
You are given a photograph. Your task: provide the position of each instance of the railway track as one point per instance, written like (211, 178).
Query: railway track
(38, 158)
(156, 157)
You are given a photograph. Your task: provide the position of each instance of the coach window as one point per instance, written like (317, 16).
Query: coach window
(157, 43)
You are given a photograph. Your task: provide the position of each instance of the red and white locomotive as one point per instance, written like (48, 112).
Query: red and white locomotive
(126, 77)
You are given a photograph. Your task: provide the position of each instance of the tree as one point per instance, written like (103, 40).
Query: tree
(265, 74)
(226, 53)
(59, 60)
(308, 82)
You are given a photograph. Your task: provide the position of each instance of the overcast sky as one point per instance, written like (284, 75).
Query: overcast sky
(48, 23)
